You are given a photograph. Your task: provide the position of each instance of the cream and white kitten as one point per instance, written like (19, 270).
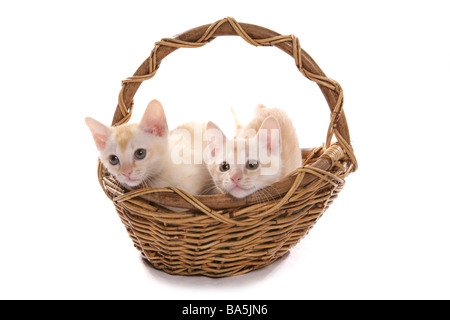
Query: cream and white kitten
(264, 152)
(141, 153)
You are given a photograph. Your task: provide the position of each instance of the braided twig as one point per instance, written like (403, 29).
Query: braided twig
(208, 36)
(233, 237)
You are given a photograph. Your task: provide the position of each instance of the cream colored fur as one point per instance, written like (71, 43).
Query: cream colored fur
(239, 180)
(157, 169)
(291, 155)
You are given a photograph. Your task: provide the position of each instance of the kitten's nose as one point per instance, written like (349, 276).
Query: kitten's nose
(127, 172)
(236, 177)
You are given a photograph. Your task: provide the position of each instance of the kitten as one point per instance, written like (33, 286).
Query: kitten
(264, 152)
(147, 153)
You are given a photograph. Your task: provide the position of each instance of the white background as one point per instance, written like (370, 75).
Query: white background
(385, 237)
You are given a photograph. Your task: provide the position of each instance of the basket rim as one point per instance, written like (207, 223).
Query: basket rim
(173, 197)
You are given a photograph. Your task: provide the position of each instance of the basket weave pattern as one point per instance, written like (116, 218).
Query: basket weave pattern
(219, 235)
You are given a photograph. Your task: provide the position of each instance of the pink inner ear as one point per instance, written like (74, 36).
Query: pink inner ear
(212, 149)
(212, 146)
(216, 139)
(154, 120)
(271, 129)
(269, 144)
(155, 130)
(273, 144)
(100, 140)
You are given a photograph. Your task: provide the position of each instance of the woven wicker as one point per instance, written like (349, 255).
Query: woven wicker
(219, 235)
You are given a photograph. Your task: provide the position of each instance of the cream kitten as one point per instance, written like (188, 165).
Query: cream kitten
(142, 153)
(264, 152)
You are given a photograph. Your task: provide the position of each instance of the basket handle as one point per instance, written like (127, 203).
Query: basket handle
(255, 35)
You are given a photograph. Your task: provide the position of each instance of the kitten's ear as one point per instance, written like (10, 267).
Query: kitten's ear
(154, 119)
(269, 135)
(99, 131)
(215, 138)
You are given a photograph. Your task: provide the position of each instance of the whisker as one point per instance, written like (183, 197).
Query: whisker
(209, 190)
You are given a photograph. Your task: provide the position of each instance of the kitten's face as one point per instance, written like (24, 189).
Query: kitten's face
(133, 153)
(240, 167)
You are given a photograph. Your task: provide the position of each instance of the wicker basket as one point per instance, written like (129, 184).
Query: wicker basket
(220, 235)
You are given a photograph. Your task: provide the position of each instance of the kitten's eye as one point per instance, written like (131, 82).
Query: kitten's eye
(252, 165)
(224, 166)
(140, 154)
(113, 159)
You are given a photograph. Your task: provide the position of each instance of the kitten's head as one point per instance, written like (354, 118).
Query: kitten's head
(244, 165)
(134, 152)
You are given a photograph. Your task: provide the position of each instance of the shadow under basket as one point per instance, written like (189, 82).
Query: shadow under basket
(218, 235)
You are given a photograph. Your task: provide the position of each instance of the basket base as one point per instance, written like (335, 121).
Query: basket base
(238, 270)
(216, 268)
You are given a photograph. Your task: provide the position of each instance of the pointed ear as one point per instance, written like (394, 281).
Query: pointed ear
(269, 135)
(154, 119)
(215, 138)
(99, 131)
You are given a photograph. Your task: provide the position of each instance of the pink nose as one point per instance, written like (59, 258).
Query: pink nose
(236, 178)
(127, 172)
